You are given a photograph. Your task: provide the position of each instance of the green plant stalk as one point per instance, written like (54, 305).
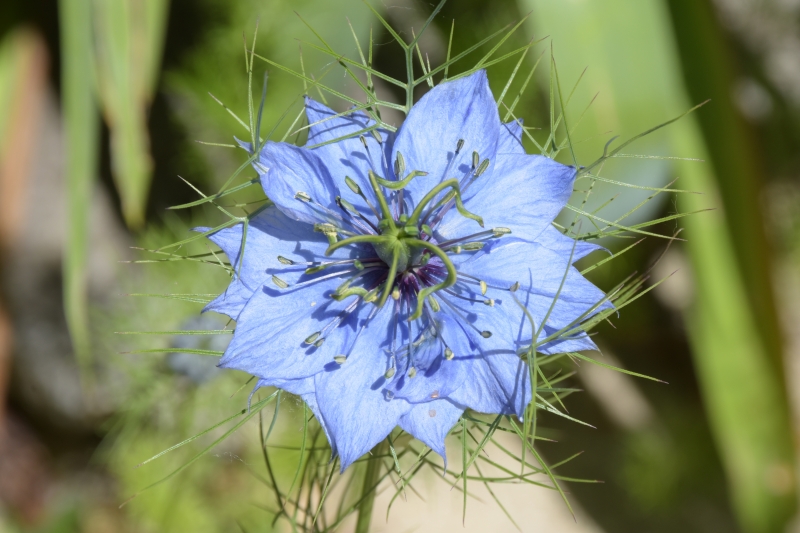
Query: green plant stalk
(81, 130)
(369, 489)
(130, 37)
(733, 325)
(729, 323)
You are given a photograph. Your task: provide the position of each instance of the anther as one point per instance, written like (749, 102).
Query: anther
(312, 338)
(347, 205)
(456, 249)
(486, 334)
(489, 302)
(459, 145)
(325, 227)
(412, 372)
(363, 141)
(371, 296)
(300, 195)
(473, 246)
(499, 232)
(434, 304)
(399, 165)
(514, 287)
(352, 185)
(484, 288)
(411, 230)
(340, 359)
(482, 168)
(390, 373)
(377, 136)
(396, 293)
(448, 354)
(426, 229)
(315, 269)
(320, 341)
(475, 160)
(279, 282)
(425, 258)
(358, 264)
(285, 261)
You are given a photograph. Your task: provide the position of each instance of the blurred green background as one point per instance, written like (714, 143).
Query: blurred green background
(101, 102)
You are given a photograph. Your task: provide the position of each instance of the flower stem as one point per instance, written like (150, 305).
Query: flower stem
(370, 486)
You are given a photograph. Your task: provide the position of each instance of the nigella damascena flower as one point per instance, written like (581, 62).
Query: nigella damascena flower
(377, 286)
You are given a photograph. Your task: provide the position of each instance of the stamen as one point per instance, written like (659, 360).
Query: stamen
(353, 186)
(355, 262)
(489, 302)
(485, 333)
(302, 196)
(448, 353)
(340, 359)
(492, 233)
(351, 212)
(316, 280)
(482, 168)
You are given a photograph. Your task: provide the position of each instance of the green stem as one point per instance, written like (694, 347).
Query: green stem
(413, 220)
(358, 238)
(385, 211)
(389, 279)
(452, 275)
(369, 491)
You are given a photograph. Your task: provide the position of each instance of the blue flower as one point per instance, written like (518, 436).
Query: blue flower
(377, 287)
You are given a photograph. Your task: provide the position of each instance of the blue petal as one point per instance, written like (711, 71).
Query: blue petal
(348, 157)
(554, 240)
(303, 388)
(431, 422)
(289, 170)
(269, 234)
(272, 328)
(540, 273)
(500, 386)
(462, 109)
(524, 193)
(435, 376)
(352, 399)
(498, 382)
(510, 141)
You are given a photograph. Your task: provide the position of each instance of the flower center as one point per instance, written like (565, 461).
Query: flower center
(404, 243)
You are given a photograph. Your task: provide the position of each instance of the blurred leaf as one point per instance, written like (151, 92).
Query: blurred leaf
(633, 61)
(80, 136)
(129, 40)
(734, 323)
